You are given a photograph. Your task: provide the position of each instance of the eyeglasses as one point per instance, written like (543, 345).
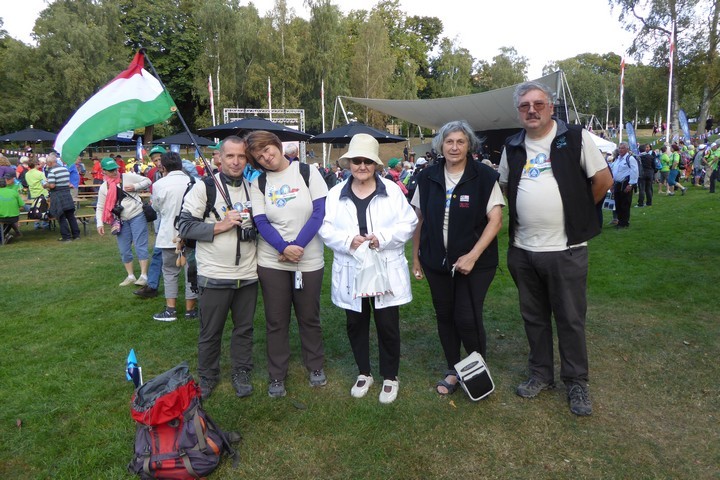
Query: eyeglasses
(366, 161)
(537, 106)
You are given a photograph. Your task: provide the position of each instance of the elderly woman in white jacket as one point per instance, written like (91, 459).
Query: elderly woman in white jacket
(368, 208)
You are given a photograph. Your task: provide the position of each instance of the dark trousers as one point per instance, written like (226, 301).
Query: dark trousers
(68, 225)
(279, 295)
(623, 201)
(387, 323)
(458, 302)
(214, 306)
(553, 283)
(713, 179)
(645, 190)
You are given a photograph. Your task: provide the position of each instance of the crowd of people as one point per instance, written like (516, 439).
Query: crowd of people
(261, 218)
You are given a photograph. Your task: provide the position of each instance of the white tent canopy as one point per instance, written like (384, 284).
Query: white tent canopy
(491, 110)
(605, 146)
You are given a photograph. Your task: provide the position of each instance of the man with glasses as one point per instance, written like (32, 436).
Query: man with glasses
(553, 176)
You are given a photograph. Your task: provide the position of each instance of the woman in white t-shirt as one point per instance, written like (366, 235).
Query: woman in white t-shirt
(288, 202)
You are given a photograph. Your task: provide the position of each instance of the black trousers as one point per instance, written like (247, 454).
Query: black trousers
(214, 306)
(279, 297)
(645, 190)
(68, 225)
(387, 324)
(553, 284)
(458, 302)
(623, 201)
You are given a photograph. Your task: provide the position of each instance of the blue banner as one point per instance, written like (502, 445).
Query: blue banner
(632, 140)
(684, 125)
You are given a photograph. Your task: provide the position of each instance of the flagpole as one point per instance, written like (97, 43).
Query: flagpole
(322, 109)
(669, 105)
(270, 99)
(622, 93)
(208, 167)
(212, 100)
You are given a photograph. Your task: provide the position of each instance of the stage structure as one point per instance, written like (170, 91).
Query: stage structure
(292, 117)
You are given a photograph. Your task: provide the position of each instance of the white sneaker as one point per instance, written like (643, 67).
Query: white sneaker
(141, 281)
(129, 280)
(362, 385)
(389, 391)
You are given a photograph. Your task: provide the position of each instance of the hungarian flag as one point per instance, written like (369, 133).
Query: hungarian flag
(134, 99)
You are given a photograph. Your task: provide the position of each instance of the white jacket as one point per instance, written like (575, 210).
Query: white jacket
(391, 219)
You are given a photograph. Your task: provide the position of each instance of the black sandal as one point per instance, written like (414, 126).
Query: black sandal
(451, 387)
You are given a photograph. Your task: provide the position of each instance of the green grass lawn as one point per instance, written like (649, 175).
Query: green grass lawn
(652, 331)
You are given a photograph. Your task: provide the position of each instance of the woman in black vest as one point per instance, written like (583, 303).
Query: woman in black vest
(458, 202)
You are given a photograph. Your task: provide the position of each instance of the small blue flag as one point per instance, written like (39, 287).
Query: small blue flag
(139, 149)
(133, 371)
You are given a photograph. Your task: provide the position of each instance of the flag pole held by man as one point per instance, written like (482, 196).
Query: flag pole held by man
(133, 99)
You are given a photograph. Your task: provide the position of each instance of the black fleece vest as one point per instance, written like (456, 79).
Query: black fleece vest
(467, 219)
(581, 222)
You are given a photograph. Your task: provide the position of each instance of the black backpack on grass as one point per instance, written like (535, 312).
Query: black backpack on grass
(175, 438)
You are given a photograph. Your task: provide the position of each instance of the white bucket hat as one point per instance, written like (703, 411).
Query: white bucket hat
(362, 145)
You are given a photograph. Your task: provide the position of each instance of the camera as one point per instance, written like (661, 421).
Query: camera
(117, 210)
(248, 234)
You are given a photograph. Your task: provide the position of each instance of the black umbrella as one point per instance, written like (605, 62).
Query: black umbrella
(183, 138)
(240, 127)
(344, 134)
(29, 135)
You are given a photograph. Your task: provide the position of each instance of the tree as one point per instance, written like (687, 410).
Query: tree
(79, 50)
(507, 68)
(325, 57)
(655, 22)
(167, 30)
(372, 64)
(451, 71)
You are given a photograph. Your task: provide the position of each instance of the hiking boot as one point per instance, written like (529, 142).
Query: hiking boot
(146, 292)
(532, 386)
(206, 387)
(277, 388)
(129, 280)
(318, 378)
(579, 399)
(167, 315)
(241, 382)
(191, 314)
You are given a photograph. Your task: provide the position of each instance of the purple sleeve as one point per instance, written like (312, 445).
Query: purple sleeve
(313, 224)
(269, 233)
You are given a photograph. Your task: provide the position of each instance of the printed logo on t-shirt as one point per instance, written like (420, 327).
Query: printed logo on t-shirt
(448, 196)
(243, 208)
(280, 196)
(535, 166)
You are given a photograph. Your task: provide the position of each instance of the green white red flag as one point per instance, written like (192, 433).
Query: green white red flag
(134, 99)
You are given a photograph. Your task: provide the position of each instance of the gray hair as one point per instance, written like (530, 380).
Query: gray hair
(526, 87)
(624, 144)
(291, 150)
(452, 127)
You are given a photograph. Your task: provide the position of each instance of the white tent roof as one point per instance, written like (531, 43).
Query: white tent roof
(605, 146)
(491, 110)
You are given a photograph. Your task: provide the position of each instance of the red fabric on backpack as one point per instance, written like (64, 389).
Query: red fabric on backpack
(169, 406)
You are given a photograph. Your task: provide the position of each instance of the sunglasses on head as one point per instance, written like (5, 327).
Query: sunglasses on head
(537, 106)
(366, 161)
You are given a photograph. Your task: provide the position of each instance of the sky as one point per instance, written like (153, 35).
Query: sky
(540, 31)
